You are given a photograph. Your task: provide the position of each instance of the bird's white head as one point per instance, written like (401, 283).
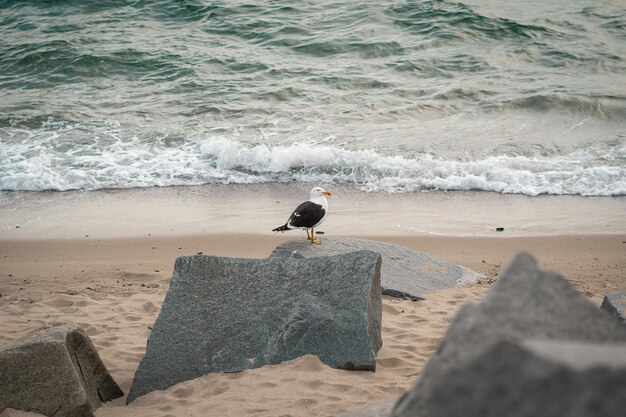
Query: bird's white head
(319, 192)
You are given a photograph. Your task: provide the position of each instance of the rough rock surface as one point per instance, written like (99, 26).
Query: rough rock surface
(525, 303)
(615, 303)
(54, 372)
(405, 272)
(228, 314)
(9, 412)
(511, 379)
(533, 378)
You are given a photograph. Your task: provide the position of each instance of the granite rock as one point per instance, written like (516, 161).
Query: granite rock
(55, 372)
(533, 378)
(524, 304)
(405, 273)
(527, 378)
(615, 304)
(228, 315)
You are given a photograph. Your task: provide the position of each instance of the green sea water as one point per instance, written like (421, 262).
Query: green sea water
(518, 97)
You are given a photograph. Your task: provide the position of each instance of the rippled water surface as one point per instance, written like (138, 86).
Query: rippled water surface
(518, 97)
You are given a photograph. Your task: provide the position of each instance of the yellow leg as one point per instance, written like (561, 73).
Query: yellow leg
(308, 236)
(314, 239)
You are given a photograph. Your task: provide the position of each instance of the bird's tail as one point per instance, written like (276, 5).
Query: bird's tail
(281, 228)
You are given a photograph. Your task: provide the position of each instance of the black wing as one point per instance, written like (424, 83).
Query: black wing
(307, 214)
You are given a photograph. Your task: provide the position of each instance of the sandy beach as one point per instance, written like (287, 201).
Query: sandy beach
(133, 133)
(103, 260)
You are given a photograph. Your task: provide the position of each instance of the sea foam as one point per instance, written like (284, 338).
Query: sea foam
(44, 165)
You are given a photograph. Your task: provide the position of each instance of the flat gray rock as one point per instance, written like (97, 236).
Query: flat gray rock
(405, 273)
(54, 372)
(228, 315)
(615, 303)
(525, 303)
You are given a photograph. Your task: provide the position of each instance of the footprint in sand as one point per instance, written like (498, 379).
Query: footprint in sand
(306, 403)
(184, 392)
(104, 344)
(404, 337)
(315, 384)
(439, 313)
(257, 411)
(149, 307)
(392, 363)
(59, 302)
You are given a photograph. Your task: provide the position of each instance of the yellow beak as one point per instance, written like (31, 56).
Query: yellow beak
(327, 193)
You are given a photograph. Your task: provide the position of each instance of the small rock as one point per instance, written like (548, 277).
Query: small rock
(615, 303)
(57, 372)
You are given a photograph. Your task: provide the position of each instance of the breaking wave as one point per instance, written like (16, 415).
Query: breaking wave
(47, 165)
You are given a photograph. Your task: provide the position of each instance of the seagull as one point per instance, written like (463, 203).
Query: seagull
(308, 215)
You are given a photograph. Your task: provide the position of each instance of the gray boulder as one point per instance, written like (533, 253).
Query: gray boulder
(525, 303)
(405, 273)
(615, 303)
(55, 372)
(514, 378)
(533, 378)
(228, 315)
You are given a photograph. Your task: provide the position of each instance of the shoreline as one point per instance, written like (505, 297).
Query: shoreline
(258, 208)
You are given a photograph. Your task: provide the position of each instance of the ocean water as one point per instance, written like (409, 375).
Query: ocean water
(394, 96)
